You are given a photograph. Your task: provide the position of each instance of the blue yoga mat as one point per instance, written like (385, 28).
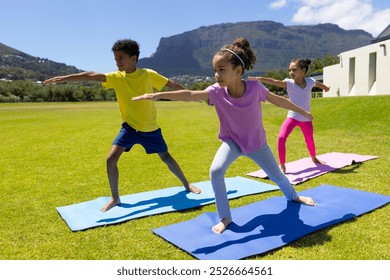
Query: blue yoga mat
(269, 224)
(87, 214)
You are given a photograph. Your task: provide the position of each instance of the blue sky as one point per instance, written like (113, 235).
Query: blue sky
(81, 32)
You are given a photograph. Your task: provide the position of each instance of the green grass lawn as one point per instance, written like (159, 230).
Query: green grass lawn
(54, 155)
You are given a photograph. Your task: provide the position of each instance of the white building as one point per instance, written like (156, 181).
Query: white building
(362, 71)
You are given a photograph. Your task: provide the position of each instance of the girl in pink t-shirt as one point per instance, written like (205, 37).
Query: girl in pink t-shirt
(299, 91)
(237, 103)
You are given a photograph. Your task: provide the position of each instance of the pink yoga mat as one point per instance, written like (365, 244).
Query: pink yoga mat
(304, 169)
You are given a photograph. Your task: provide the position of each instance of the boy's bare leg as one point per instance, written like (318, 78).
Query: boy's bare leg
(112, 203)
(306, 200)
(113, 176)
(222, 225)
(176, 170)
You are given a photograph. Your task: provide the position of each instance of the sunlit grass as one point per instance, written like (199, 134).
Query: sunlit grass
(54, 155)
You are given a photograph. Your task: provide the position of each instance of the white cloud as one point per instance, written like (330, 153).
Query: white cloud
(278, 4)
(348, 14)
(316, 3)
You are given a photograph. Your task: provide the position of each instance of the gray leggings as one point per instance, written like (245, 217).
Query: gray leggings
(227, 153)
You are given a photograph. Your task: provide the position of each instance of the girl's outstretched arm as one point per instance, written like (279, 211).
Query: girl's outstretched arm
(271, 81)
(180, 95)
(84, 76)
(287, 104)
(322, 86)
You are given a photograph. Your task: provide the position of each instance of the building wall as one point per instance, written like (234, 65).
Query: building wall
(362, 71)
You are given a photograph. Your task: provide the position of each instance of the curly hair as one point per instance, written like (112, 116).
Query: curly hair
(128, 46)
(239, 47)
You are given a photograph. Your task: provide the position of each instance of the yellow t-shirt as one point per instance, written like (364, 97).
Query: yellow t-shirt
(141, 115)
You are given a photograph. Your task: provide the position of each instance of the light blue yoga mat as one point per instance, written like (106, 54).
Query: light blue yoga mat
(87, 214)
(269, 224)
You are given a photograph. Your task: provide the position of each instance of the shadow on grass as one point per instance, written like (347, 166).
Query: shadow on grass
(270, 231)
(349, 169)
(158, 205)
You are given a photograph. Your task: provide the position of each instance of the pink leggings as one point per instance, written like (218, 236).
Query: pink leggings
(287, 127)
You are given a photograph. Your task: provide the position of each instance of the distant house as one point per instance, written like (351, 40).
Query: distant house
(361, 71)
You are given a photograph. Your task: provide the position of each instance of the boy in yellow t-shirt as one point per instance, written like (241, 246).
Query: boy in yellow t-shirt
(139, 118)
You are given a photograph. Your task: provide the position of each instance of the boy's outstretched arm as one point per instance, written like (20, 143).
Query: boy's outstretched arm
(174, 85)
(84, 76)
(179, 95)
(287, 104)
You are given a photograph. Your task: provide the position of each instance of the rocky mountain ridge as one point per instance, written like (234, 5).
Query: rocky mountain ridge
(191, 52)
(275, 44)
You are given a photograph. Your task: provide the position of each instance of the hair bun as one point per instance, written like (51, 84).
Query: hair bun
(308, 61)
(241, 43)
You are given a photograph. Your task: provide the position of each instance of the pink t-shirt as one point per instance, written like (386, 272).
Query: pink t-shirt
(240, 118)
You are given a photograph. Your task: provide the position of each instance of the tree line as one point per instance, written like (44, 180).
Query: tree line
(29, 91)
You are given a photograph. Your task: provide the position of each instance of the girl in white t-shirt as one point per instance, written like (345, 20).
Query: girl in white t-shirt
(299, 91)
(237, 103)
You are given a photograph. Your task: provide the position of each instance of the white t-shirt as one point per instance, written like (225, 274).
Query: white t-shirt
(300, 97)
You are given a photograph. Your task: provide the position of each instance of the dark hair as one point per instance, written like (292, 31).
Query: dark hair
(241, 48)
(128, 46)
(303, 63)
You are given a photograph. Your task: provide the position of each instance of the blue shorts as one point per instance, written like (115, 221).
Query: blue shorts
(153, 142)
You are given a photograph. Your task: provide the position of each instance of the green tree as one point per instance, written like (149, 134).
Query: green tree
(318, 64)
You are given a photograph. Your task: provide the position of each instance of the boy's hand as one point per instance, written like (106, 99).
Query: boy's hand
(59, 79)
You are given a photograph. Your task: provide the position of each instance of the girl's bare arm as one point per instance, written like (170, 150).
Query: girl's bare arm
(271, 81)
(287, 104)
(322, 86)
(180, 95)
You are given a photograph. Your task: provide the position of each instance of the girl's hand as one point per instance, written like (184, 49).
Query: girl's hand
(309, 116)
(147, 96)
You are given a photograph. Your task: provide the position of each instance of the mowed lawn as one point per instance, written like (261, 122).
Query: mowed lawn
(54, 155)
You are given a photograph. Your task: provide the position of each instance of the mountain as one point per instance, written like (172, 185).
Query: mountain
(16, 65)
(275, 44)
(190, 53)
